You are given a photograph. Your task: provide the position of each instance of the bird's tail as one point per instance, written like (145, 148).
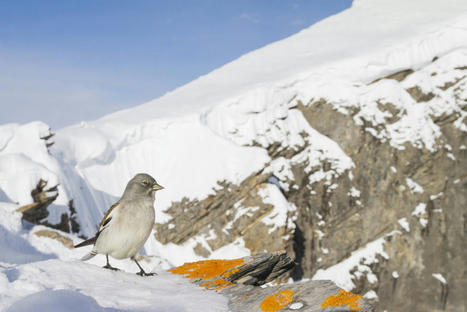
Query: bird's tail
(90, 241)
(89, 255)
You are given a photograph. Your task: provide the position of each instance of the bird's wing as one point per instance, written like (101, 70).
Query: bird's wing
(104, 223)
(107, 217)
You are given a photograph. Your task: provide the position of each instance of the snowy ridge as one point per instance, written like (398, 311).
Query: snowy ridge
(324, 51)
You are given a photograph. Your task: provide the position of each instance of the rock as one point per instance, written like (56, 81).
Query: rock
(239, 279)
(43, 197)
(55, 235)
(37, 213)
(47, 138)
(217, 217)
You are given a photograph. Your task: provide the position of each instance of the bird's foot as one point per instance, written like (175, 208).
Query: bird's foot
(142, 273)
(108, 266)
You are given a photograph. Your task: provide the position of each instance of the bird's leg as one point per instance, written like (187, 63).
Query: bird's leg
(141, 272)
(108, 266)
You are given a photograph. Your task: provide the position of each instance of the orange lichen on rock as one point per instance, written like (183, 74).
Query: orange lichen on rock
(206, 269)
(218, 284)
(341, 299)
(277, 301)
(209, 269)
(230, 272)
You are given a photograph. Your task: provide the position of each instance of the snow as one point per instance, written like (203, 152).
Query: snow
(439, 277)
(218, 128)
(361, 259)
(39, 274)
(419, 210)
(395, 274)
(354, 192)
(53, 282)
(436, 196)
(414, 186)
(325, 48)
(371, 294)
(423, 222)
(271, 194)
(319, 233)
(404, 224)
(296, 306)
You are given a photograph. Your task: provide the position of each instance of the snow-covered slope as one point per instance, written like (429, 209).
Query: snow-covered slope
(369, 40)
(218, 127)
(43, 275)
(194, 136)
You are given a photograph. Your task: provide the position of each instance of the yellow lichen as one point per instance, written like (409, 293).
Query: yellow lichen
(218, 284)
(230, 272)
(209, 269)
(341, 299)
(277, 301)
(205, 269)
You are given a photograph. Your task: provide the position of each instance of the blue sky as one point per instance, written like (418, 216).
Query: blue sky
(66, 61)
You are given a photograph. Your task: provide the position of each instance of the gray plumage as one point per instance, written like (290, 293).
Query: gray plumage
(127, 224)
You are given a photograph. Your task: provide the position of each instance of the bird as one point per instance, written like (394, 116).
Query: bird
(127, 224)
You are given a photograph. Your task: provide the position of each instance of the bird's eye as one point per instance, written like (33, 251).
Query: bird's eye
(145, 182)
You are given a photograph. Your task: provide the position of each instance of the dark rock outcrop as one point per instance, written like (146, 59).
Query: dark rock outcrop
(37, 213)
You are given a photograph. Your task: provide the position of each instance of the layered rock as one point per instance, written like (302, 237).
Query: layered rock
(239, 280)
(392, 219)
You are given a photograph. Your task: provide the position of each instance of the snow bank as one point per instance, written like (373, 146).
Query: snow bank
(40, 274)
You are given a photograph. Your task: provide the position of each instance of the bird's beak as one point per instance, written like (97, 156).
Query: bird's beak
(157, 187)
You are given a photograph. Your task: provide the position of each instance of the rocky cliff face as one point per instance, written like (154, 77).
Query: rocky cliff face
(389, 214)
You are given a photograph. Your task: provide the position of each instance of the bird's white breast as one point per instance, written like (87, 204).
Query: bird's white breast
(128, 230)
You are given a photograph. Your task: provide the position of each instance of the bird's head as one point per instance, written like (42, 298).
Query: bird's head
(142, 185)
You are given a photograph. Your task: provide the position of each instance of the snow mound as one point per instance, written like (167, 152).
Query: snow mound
(40, 274)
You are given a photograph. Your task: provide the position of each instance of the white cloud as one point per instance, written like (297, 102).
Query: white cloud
(250, 17)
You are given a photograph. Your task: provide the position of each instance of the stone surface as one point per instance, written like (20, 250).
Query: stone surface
(37, 213)
(241, 279)
(217, 213)
(55, 235)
